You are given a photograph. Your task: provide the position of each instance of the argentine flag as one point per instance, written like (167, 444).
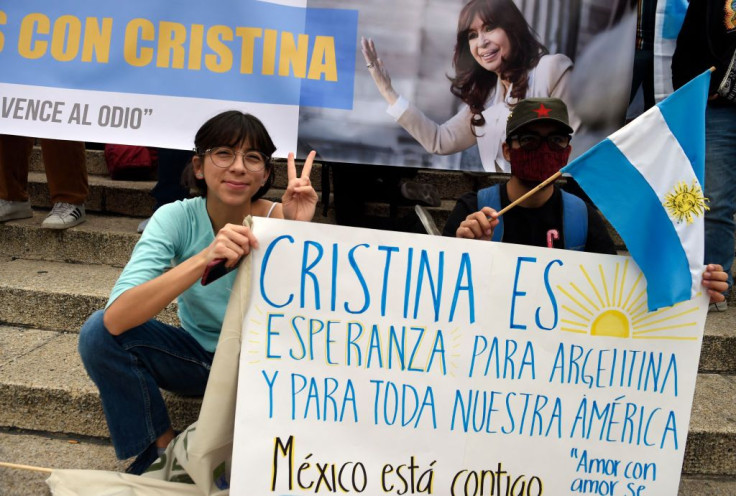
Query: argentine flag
(647, 180)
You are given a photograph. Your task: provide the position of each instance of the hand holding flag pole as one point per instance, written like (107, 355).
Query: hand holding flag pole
(529, 193)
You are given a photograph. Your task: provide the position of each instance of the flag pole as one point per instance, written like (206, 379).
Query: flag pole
(526, 195)
(26, 467)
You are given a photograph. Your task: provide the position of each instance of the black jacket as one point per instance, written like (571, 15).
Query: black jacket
(707, 38)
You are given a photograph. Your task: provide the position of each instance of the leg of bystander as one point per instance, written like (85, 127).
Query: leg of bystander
(720, 186)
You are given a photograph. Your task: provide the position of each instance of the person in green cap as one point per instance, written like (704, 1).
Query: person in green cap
(537, 146)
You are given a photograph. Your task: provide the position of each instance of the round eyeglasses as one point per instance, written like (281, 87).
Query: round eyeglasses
(224, 157)
(531, 142)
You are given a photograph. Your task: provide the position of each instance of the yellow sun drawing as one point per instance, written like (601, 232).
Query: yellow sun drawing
(254, 336)
(615, 305)
(730, 20)
(685, 202)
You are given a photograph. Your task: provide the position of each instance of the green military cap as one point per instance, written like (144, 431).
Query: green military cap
(537, 109)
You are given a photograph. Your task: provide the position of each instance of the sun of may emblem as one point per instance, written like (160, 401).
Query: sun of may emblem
(686, 202)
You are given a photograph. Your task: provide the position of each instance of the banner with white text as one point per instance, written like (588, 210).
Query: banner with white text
(376, 362)
(152, 72)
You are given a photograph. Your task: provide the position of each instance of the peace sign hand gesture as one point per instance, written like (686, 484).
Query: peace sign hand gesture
(300, 199)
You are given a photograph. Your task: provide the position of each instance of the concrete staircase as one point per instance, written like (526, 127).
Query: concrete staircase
(50, 414)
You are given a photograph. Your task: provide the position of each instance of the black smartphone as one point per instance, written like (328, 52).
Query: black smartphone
(216, 269)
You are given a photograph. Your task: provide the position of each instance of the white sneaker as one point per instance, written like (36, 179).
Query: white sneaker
(721, 306)
(10, 210)
(64, 215)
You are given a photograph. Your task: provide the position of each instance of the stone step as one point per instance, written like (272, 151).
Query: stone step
(54, 295)
(718, 352)
(707, 486)
(69, 292)
(74, 452)
(711, 440)
(43, 387)
(49, 450)
(102, 239)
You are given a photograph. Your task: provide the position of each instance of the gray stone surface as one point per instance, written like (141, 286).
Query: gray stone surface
(690, 486)
(113, 239)
(711, 441)
(49, 451)
(45, 387)
(718, 353)
(53, 295)
(16, 342)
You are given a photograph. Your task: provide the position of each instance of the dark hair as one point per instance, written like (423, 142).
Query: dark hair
(232, 128)
(472, 83)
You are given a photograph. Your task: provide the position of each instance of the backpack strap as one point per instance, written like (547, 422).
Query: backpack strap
(491, 197)
(574, 222)
(574, 216)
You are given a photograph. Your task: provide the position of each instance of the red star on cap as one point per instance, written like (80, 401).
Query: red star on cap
(542, 111)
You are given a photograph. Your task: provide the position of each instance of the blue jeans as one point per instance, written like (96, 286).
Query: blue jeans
(129, 369)
(720, 185)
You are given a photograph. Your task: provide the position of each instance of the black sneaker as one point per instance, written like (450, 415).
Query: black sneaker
(143, 461)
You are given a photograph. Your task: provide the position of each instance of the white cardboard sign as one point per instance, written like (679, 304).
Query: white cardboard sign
(376, 362)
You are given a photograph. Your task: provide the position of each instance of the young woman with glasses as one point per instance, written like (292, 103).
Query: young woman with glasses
(129, 354)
